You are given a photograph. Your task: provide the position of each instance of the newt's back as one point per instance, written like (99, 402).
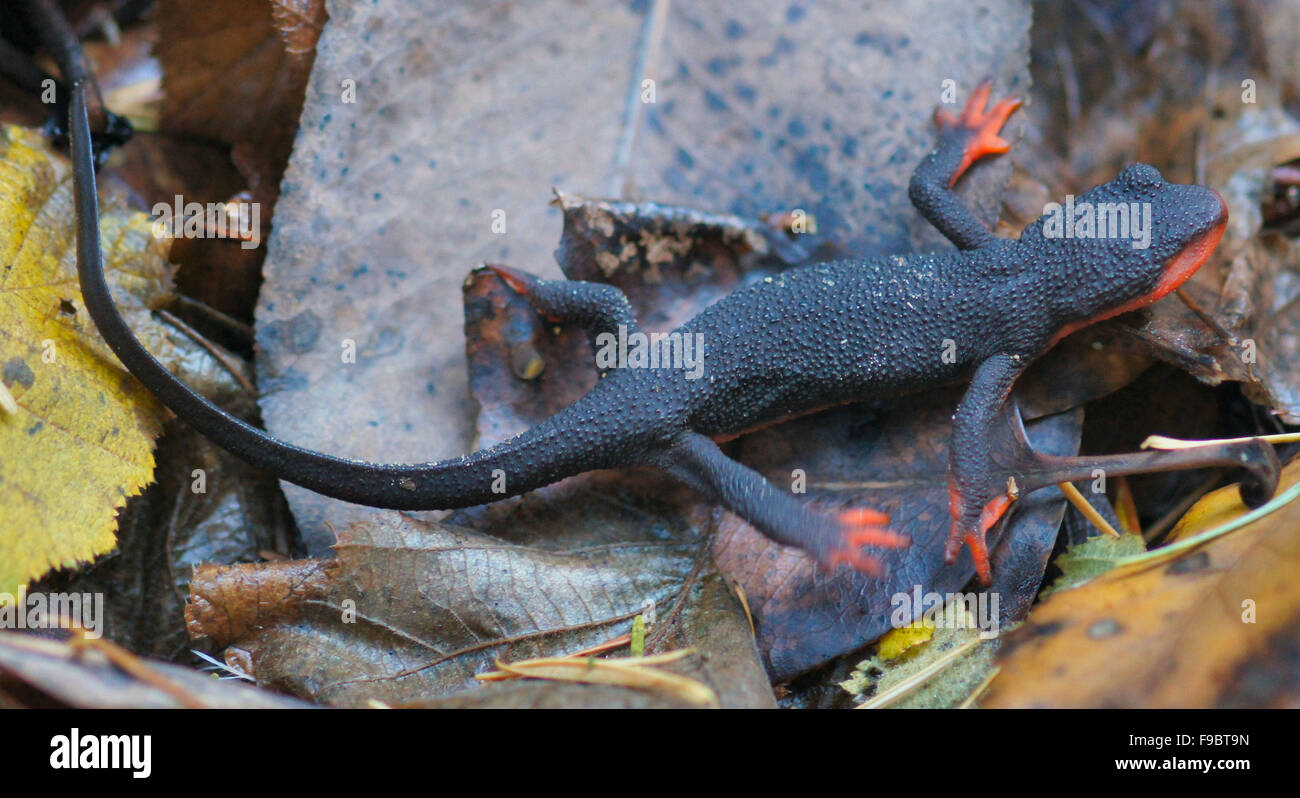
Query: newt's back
(834, 332)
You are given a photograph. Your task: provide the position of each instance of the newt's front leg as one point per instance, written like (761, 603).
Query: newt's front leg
(963, 140)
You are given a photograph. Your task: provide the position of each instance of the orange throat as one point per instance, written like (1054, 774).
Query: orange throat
(1177, 270)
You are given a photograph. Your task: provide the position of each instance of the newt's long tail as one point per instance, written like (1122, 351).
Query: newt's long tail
(568, 443)
(574, 440)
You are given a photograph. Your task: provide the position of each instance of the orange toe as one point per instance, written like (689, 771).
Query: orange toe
(518, 281)
(863, 527)
(863, 516)
(856, 560)
(977, 539)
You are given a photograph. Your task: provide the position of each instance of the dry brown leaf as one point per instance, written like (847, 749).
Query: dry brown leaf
(234, 71)
(411, 612)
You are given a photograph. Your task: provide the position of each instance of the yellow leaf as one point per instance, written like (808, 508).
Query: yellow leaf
(80, 440)
(1218, 507)
(896, 641)
(934, 663)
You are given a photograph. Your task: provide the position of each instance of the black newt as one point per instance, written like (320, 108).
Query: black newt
(812, 337)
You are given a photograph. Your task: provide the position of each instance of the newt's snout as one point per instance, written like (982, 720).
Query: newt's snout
(1223, 207)
(1210, 207)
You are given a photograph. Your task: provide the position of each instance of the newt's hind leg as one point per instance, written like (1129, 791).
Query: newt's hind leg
(830, 539)
(979, 494)
(963, 140)
(594, 307)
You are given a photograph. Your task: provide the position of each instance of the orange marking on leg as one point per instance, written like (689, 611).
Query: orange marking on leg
(521, 283)
(864, 527)
(979, 552)
(855, 560)
(517, 280)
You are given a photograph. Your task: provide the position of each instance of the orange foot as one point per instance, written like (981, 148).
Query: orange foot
(975, 538)
(983, 125)
(862, 527)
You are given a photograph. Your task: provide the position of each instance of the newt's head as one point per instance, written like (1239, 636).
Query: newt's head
(1125, 243)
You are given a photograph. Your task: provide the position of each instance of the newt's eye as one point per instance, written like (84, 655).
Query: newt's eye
(1142, 176)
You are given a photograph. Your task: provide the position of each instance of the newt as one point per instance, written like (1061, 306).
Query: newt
(812, 337)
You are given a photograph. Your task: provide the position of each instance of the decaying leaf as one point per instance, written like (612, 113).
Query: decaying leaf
(233, 75)
(1251, 283)
(899, 640)
(82, 439)
(1212, 511)
(892, 457)
(207, 506)
(235, 72)
(412, 612)
(1173, 634)
(534, 694)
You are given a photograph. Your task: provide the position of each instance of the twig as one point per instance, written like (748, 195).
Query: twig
(211, 348)
(1081, 504)
(231, 323)
(1164, 443)
(1205, 317)
(126, 661)
(652, 34)
(969, 701)
(919, 678)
